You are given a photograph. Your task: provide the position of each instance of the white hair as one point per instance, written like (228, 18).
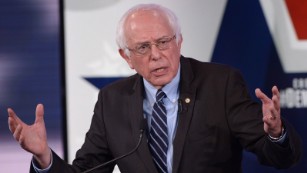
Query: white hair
(120, 32)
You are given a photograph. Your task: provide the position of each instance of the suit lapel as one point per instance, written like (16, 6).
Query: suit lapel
(187, 99)
(137, 118)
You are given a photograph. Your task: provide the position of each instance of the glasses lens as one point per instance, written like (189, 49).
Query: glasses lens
(162, 44)
(143, 48)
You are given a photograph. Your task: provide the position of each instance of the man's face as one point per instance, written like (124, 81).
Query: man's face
(158, 66)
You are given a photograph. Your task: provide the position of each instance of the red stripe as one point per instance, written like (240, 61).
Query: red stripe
(298, 14)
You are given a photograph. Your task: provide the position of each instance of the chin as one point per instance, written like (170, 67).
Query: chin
(161, 83)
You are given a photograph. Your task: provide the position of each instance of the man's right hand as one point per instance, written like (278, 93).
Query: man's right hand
(32, 138)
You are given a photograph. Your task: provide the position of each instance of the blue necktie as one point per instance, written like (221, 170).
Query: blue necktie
(158, 140)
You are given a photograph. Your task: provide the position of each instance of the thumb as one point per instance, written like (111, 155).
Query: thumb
(39, 114)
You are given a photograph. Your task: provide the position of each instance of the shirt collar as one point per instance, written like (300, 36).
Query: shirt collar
(170, 89)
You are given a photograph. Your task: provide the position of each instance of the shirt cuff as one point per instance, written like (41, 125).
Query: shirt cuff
(38, 170)
(281, 139)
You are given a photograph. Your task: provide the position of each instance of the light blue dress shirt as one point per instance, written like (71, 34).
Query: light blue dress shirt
(171, 104)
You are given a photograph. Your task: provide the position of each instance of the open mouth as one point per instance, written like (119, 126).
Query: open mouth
(160, 71)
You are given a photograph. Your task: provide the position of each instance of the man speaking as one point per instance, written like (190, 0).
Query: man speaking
(198, 116)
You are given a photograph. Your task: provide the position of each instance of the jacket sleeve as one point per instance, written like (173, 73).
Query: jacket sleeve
(245, 121)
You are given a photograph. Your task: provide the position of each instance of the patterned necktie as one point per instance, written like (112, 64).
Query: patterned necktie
(158, 140)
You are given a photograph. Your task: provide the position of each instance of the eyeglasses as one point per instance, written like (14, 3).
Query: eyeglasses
(162, 44)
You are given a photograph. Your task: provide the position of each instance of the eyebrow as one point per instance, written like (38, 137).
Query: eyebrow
(146, 42)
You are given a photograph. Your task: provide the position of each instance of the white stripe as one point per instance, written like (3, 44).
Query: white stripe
(160, 166)
(165, 133)
(153, 148)
(162, 110)
(160, 117)
(158, 142)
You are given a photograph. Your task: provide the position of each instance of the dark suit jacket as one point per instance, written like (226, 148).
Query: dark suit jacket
(213, 128)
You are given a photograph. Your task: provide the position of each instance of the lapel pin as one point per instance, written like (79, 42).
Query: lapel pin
(187, 100)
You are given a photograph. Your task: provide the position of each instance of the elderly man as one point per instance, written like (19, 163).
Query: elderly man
(199, 116)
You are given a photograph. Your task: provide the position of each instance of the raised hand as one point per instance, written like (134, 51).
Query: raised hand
(32, 138)
(271, 112)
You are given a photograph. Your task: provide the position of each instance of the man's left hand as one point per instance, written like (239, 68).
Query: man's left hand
(271, 112)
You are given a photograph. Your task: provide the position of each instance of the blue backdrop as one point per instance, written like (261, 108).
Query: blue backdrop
(31, 70)
(245, 42)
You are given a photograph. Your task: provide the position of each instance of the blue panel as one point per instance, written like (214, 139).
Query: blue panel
(100, 82)
(244, 41)
(31, 61)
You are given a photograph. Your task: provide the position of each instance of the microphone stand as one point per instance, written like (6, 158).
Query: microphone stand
(120, 157)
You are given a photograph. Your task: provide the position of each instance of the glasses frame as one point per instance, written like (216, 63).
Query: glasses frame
(158, 43)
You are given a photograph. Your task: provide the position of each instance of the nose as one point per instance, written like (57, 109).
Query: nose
(155, 52)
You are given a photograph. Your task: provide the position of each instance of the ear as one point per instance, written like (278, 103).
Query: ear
(180, 41)
(126, 57)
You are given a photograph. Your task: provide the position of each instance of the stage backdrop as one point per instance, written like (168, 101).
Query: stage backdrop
(30, 73)
(92, 57)
(265, 39)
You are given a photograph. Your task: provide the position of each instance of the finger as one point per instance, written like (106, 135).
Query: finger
(17, 132)
(13, 115)
(276, 98)
(12, 124)
(276, 103)
(12, 120)
(274, 114)
(275, 91)
(270, 122)
(260, 95)
(266, 121)
(39, 114)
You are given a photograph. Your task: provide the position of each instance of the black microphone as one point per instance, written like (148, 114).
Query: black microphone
(142, 129)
